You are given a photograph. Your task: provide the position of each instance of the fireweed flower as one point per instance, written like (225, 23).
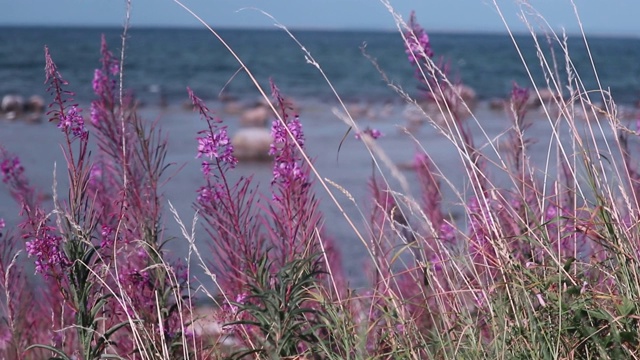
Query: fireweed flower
(280, 136)
(210, 194)
(215, 145)
(447, 233)
(95, 174)
(374, 133)
(72, 121)
(95, 114)
(519, 95)
(417, 43)
(100, 81)
(519, 100)
(45, 247)
(103, 81)
(240, 299)
(11, 169)
(107, 236)
(286, 167)
(104, 84)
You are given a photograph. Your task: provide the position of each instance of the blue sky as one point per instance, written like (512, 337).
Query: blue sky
(598, 16)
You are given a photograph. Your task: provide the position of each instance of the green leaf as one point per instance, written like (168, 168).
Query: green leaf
(61, 353)
(99, 304)
(600, 314)
(627, 307)
(568, 263)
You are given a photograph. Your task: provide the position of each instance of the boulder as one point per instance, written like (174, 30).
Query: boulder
(497, 104)
(233, 107)
(35, 104)
(547, 96)
(256, 116)
(12, 103)
(252, 144)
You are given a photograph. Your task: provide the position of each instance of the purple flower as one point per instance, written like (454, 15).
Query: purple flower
(519, 95)
(374, 133)
(447, 233)
(216, 145)
(95, 174)
(72, 121)
(288, 171)
(45, 247)
(286, 167)
(107, 236)
(519, 101)
(100, 80)
(96, 113)
(114, 69)
(240, 299)
(11, 168)
(210, 194)
(280, 136)
(418, 44)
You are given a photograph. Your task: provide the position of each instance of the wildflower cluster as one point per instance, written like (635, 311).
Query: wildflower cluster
(103, 85)
(11, 168)
(418, 45)
(69, 120)
(72, 121)
(45, 247)
(287, 165)
(215, 145)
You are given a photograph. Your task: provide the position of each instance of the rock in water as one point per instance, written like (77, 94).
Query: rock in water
(256, 116)
(12, 103)
(252, 144)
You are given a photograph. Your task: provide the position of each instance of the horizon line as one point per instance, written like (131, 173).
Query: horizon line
(303, 29)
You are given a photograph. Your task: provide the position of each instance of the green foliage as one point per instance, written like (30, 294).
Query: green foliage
(280, 310)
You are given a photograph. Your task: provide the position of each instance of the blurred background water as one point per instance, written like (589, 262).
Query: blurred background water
(175, 58)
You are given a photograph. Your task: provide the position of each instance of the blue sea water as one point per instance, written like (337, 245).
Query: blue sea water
(175, 58)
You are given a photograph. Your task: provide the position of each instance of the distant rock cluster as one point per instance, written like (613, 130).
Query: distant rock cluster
(15, 107)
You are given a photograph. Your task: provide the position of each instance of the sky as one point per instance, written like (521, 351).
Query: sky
(598, 17)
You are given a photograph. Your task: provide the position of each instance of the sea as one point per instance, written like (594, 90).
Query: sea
(171, 59)
(363, 69)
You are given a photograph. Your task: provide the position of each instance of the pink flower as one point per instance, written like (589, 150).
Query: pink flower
(11, 168)
(374, 133)
(418, 44)
(286, 167)
(45, 247)
(72, 121)
(216, 146)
